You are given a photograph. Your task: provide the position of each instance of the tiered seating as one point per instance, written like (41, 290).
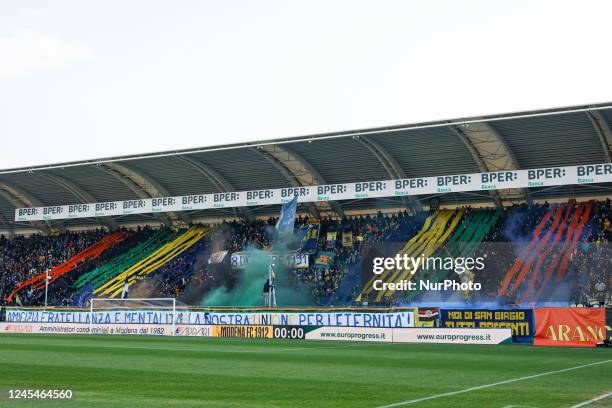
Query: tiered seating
(525, 254)
(109, 270)
(463, 243)
(175, 276)
(114, 287)
(564, 256)
(437, 229)
(561, 260)
(548, 252)
(91, 252)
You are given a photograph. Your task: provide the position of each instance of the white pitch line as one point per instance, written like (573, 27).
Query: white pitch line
(518, 406)
(582, 404)
(480, 387)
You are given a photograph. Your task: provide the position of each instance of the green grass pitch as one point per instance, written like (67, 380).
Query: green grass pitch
(211, 372)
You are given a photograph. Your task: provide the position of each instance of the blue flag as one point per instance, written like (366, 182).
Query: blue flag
(286, 221)
(84, 295)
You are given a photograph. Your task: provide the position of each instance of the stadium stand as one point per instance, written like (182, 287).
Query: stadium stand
(114, 267)
(91, 252)
(113, 287)
(563, 245)
(23, 257)
(464, 243)
(541, 243)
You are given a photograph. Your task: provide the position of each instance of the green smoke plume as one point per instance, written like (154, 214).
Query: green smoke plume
(249, 288)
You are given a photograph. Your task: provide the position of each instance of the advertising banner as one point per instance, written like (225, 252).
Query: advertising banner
(570, 326)
(412, 335)
(242, 332)
(287, 332)
(350, 334)
(74, 328)
(513, 179)
(261, 332)
(193, 330)
(453, 336)
(519, 320)
(403, 318)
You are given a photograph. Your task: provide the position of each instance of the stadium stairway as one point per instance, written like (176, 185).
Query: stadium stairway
(464, 242)
(91, 252)
(114, 287)
(115, 266)
(436, 230)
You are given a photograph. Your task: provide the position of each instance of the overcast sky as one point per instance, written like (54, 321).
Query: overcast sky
(90, 79)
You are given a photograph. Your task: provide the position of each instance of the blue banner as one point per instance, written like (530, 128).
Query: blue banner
(403, 318)
(519, 320)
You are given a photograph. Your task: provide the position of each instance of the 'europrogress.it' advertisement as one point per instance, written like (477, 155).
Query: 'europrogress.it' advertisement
(413, 335)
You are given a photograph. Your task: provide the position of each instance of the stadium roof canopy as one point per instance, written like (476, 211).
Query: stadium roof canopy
(547, 138)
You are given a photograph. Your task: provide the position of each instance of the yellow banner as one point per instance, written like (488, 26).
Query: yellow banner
(243, 332)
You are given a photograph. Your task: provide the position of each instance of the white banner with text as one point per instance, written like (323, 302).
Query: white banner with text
(512, 179)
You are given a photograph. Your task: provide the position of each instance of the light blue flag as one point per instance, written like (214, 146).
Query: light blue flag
(286, 221)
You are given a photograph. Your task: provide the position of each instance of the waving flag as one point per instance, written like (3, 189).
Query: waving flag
(286, 221)
(83, 297)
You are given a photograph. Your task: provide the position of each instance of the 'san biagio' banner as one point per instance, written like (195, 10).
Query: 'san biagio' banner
(519, 320)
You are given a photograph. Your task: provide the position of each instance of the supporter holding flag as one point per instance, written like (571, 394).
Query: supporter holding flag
(84, 296)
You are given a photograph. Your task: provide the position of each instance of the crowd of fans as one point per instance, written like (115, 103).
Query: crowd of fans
(592, 259)
(587, 279)
(22, 258)
(176, 276)
(334, 281)
(62, 291)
